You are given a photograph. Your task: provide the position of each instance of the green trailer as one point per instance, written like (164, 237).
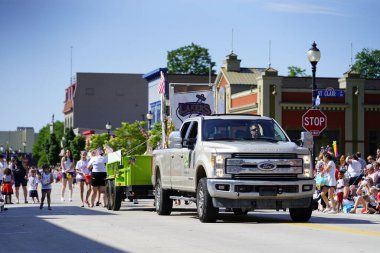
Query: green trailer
(127, 179)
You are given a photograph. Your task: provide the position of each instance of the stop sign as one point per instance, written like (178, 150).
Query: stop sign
(314, 121)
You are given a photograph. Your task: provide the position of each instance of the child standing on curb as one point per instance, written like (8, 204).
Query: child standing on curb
(6, 188)
(46, 179)
(33, 183)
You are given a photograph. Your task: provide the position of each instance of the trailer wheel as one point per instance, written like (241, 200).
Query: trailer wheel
(240, 211)
(164, 204)
(108, 204)
(206, 210)
(114, 196)
(301, 214)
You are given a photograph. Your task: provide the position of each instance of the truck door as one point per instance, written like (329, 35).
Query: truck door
(177, 160)
(188, 171)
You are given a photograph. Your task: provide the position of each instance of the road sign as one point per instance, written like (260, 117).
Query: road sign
(314, 121)
(330, 92)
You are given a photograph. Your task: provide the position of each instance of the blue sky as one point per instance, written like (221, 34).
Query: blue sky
(128, 36)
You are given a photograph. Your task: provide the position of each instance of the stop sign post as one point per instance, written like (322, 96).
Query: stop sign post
(314, 121)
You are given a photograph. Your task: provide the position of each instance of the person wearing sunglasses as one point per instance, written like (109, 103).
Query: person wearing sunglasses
(255, 131)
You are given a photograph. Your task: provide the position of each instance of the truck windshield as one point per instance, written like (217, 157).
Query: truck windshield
(242, 129)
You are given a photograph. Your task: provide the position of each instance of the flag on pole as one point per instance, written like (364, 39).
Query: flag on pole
(161, 85)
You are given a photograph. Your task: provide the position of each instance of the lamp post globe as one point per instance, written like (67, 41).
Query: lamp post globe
(149, 116)
(108, 127)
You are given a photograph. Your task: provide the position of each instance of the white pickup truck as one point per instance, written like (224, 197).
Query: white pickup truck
(240, 162)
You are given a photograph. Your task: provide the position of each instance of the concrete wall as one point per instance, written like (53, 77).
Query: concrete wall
(115, 98)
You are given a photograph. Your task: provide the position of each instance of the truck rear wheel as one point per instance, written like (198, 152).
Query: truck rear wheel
(206, 210)
(164, 204)
(301, 214)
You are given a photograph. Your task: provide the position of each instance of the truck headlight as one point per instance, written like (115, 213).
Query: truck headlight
(218, 162)
(307, 167)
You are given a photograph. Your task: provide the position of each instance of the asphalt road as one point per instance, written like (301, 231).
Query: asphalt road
(137, 228)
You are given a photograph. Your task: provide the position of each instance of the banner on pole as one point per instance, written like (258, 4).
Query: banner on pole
(190, 104)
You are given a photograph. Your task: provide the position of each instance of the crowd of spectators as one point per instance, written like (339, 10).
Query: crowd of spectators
(347, 184)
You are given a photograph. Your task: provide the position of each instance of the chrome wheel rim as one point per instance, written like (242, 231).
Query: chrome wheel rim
(158, 195)
(200, 201)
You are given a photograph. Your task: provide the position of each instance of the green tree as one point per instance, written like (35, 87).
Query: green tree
(53, 150)
(68, 138)
(129, 139)
(98, 140)
(41, 147)
(367, 63)
(77, 145)
(190, 59)
(296, 71)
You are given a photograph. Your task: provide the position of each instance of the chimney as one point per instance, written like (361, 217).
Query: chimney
(232, 63)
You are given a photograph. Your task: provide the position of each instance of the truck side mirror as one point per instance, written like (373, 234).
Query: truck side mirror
(175, 140)
(307, 140)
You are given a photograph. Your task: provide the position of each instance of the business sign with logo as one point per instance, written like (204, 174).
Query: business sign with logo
(330, 92)
(190, 104)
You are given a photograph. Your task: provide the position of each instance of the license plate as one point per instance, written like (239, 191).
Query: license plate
(268, 191)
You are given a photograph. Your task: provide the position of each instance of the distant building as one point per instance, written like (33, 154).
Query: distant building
(97, 98)
(18, 141)
(351, 103)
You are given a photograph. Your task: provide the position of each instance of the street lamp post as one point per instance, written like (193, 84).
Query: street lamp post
(314, 55)
(149, 116)
(108, 127)
(24, 146)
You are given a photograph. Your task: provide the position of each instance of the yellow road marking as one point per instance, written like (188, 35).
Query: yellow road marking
(337, 229)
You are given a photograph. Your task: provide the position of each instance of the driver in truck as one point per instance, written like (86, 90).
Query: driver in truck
(255, 131)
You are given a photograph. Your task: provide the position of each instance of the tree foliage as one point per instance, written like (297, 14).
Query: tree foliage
(77, 145)
(192, 59)
(367, 63)
(296, 71)
(41, 150)
(68, 138)
(129, 139)
(97, 140)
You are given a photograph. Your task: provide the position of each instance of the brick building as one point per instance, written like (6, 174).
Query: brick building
(352, 119)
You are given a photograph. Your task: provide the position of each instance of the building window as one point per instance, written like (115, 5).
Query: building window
(373, 141)
(90, 91)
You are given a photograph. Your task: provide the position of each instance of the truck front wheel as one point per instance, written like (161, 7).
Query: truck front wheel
(164, 204)
(206, 210)
(301, 214)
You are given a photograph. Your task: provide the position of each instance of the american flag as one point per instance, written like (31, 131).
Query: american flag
(161, 85)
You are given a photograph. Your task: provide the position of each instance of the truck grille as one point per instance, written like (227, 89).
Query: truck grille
(264, 156)
(264, 177)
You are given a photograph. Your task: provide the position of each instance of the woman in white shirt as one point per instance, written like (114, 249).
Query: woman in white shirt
(97, 166)
(329, 170)
(354, 169)
(67, 167)
(82, 174)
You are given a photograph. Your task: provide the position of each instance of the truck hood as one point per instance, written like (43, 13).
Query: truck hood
(257, 146)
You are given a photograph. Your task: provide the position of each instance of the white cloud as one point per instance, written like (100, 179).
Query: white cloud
(295, 7)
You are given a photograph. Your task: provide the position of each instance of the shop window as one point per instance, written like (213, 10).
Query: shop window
(373, 141)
